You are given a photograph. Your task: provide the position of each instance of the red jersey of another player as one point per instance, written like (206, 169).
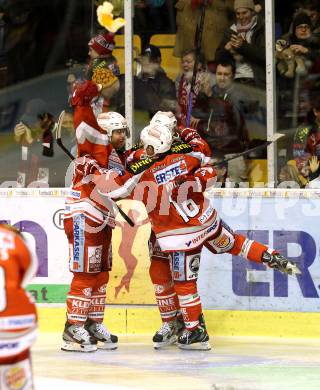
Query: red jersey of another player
(18, 320)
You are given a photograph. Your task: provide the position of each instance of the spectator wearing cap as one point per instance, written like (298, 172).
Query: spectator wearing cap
(306, 47)
(301, 40)
(103, 67)
(100, 53)
(245, 40)
(153, 89)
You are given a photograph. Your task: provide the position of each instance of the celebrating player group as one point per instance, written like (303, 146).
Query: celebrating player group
(169, 172)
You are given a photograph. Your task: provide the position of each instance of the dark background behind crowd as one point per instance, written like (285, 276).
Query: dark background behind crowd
(44, 48)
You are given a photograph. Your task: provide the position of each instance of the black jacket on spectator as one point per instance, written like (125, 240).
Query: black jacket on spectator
(254, 52)
(150, 93)
(221, 123)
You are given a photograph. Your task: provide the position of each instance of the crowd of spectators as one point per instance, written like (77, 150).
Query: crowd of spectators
(228, 102)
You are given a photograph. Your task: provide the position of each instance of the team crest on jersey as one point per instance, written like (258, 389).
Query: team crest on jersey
(15, 378)
(87, 291)
(170, 172)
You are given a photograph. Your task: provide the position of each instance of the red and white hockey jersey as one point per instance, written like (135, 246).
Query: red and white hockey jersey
(183, 223)
(94, 150)
(18, 319)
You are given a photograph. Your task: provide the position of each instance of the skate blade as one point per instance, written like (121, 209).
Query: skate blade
(294, 270)
(203, 346)
(74, 347)
(107, 346)
(165, 344)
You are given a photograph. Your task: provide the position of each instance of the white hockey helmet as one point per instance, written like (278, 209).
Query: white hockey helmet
(158, 136)
(110, 121)
(165, 118)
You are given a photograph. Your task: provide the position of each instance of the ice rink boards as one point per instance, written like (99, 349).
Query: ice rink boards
(287, 362)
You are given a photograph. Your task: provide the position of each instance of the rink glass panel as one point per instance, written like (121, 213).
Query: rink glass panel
(45, 42)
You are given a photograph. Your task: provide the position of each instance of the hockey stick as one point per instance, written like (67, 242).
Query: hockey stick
(248, 151)
(58, 135)
(71, 156)
(198, 39)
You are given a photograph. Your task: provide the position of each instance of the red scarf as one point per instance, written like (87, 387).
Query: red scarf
(183, 96)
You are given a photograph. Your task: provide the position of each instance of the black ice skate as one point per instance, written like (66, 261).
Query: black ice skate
(168, 333)
(77, 339)
(103, 338)
(196, 339)
(280, 263)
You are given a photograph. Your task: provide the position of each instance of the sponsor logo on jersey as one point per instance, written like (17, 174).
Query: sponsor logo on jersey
(94, 257)
(165, 302)
(75, 194)
(170, 172)
(194, 264)
(176, 258)
(22, 321)
(201, 236)
(80, 304)
(15, 378)
(140, 166)
(205, 216)
(181, 148)
(78, 244)
(8, 345)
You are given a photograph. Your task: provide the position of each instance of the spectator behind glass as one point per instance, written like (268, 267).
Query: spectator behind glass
(217, 19)
(245, 40)
(204, 83)
(302, 41)
(299, 172)
(220, 122)
(103, 67)
(153, 89)
(307, 136)
(34, 134)
(312, 8)
(297, 58)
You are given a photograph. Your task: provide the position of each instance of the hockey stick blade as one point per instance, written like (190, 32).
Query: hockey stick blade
(292, 269)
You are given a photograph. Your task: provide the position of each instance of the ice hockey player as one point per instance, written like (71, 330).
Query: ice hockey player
(171, 182)
(88, 225)
(159, 271)
(18, 318)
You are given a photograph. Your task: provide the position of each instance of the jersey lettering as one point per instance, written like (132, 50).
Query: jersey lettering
(170, 172)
